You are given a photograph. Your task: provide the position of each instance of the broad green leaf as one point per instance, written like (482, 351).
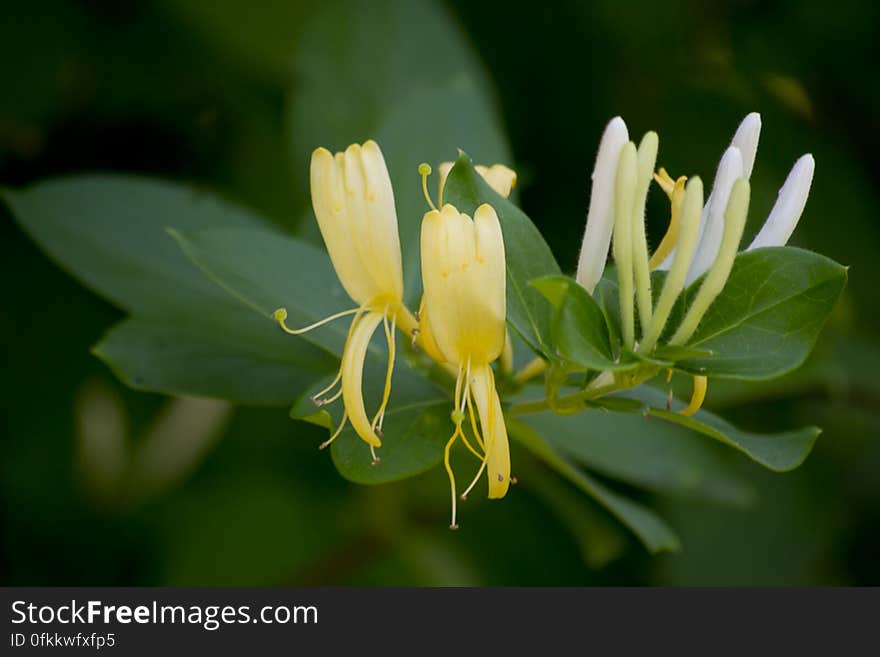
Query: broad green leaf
(415, 431)
(233, 359)
(644, 523)
(644, 452)
(528, 256)
(778, 451)
(109, 233)
(766, 320)
(363, 72)
(579, 334)
(266, 270)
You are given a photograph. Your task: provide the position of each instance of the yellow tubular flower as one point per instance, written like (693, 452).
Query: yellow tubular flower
(354, 205)
(463, 272)
(500, 178)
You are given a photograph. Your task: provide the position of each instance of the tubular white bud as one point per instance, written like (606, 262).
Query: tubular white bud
(789, 206)
(600, 217)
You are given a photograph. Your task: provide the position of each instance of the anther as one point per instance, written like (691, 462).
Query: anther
(453, 526)
(424, 172)
(514, 480)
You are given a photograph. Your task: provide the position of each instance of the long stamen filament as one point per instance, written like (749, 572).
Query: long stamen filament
(280, 316)
(336, 433)
(424, 172)
(329, 400)
(476, 479)
(473, 416)
(386, 393)
(317, 396)
(446, 464)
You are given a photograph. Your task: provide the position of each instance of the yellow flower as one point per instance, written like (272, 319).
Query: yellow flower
(463, 272)
(354, 205)
(500, 178)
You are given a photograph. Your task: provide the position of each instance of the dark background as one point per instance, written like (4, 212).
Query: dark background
(199, 91)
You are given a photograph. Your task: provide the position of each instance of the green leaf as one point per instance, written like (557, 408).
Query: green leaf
(235, 359)
(528, 256)
(766, 320)
(266, 270)
(364, 72)
(109, 233)
(644, 523)
(644, 452)
(416, 428)
(779, 451)
(579, 333)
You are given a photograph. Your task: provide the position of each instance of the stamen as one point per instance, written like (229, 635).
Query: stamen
(424, 172)
(376, 459)
(479, 437)
(336, 433)
(446, 464)
(386, 393)
(475, 480)
(329, 400)
(701, 384)
(316, 398)
(280, 316)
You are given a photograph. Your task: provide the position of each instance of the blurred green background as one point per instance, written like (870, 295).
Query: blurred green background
(204, 92)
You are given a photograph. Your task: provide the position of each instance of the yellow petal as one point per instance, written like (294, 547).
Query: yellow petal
(354, 204)
(499, 177)
(494, 430)
(329, 204)
(426, 335)
(353, 372)
(464, 277)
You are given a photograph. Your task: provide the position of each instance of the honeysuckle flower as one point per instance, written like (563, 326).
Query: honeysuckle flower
(464, 308)
(737, 162)
(354, 205)
(500, 178)
(702, 239)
